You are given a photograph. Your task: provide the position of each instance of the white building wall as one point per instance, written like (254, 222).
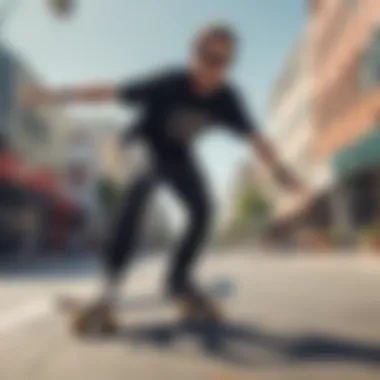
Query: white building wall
(36, 134)
(292, 131)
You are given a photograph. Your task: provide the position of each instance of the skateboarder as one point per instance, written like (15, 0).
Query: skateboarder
(177, 105)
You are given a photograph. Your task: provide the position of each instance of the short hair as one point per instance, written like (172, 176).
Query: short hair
(216, 31)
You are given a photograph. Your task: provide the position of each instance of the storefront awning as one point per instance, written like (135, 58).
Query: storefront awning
(37, 180)
(11, 169)
(362, 155)
(41, 180)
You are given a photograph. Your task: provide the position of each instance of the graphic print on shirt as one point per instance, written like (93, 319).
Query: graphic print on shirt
(184, 123)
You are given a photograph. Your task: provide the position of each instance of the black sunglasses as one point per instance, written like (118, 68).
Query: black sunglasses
(214, 59)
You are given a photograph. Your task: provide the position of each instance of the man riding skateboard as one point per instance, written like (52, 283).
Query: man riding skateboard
(177, 105)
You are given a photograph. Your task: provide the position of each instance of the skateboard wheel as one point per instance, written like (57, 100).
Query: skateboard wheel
(80, 323)
(108, 325)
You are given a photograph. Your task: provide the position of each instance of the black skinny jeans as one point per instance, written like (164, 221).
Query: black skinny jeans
(185, 179)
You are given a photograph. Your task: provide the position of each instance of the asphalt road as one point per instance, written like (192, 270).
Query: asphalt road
(286, 318)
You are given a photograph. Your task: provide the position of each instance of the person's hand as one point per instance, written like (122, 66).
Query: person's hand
(289, 182)
(293, 185)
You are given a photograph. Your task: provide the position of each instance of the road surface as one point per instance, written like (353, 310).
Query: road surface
(289, 318)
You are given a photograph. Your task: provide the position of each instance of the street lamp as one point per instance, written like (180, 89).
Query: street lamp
(60, 8)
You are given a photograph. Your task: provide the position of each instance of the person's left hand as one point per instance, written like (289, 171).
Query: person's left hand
(291, 183)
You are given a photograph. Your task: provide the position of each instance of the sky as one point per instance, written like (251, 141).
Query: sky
(113, 40)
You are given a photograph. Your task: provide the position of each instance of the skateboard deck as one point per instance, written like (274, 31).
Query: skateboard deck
(217, 290)
(77, 308)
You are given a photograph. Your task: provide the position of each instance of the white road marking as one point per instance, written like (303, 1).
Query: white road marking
(26, 313)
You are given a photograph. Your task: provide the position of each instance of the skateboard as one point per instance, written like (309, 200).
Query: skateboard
(94, 318)
(86, 316)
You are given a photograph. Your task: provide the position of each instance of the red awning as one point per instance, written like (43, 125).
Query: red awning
(45, 182)
(11, 168)
(42, 180)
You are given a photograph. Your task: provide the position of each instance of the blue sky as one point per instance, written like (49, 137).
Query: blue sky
(117, 39)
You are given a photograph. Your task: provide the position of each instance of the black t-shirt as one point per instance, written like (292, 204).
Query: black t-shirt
(173, 113)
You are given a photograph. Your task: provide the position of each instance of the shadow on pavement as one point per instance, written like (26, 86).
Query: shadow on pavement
(247, 346)
(218, 288)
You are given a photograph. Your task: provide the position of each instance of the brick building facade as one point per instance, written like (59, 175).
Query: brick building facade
(345, 38)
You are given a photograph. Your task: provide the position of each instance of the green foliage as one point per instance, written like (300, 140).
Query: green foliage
(252, 206)
(251, 213)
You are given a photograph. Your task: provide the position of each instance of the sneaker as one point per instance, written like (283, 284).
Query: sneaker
(195, 304)
(97, 317)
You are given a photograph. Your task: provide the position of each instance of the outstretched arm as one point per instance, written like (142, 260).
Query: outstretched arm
(236, 117)
(268, 155)
(136, 91)
(37, 96)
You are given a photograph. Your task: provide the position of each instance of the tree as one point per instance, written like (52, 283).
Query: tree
(251, 212)
(252, 206)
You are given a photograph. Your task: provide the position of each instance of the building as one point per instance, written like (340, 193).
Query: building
(113, 159)
(345, 40)
(81, 174)
(36, 135)
(290, 123)
(324, 117)
(31, 160)
(292, 131)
